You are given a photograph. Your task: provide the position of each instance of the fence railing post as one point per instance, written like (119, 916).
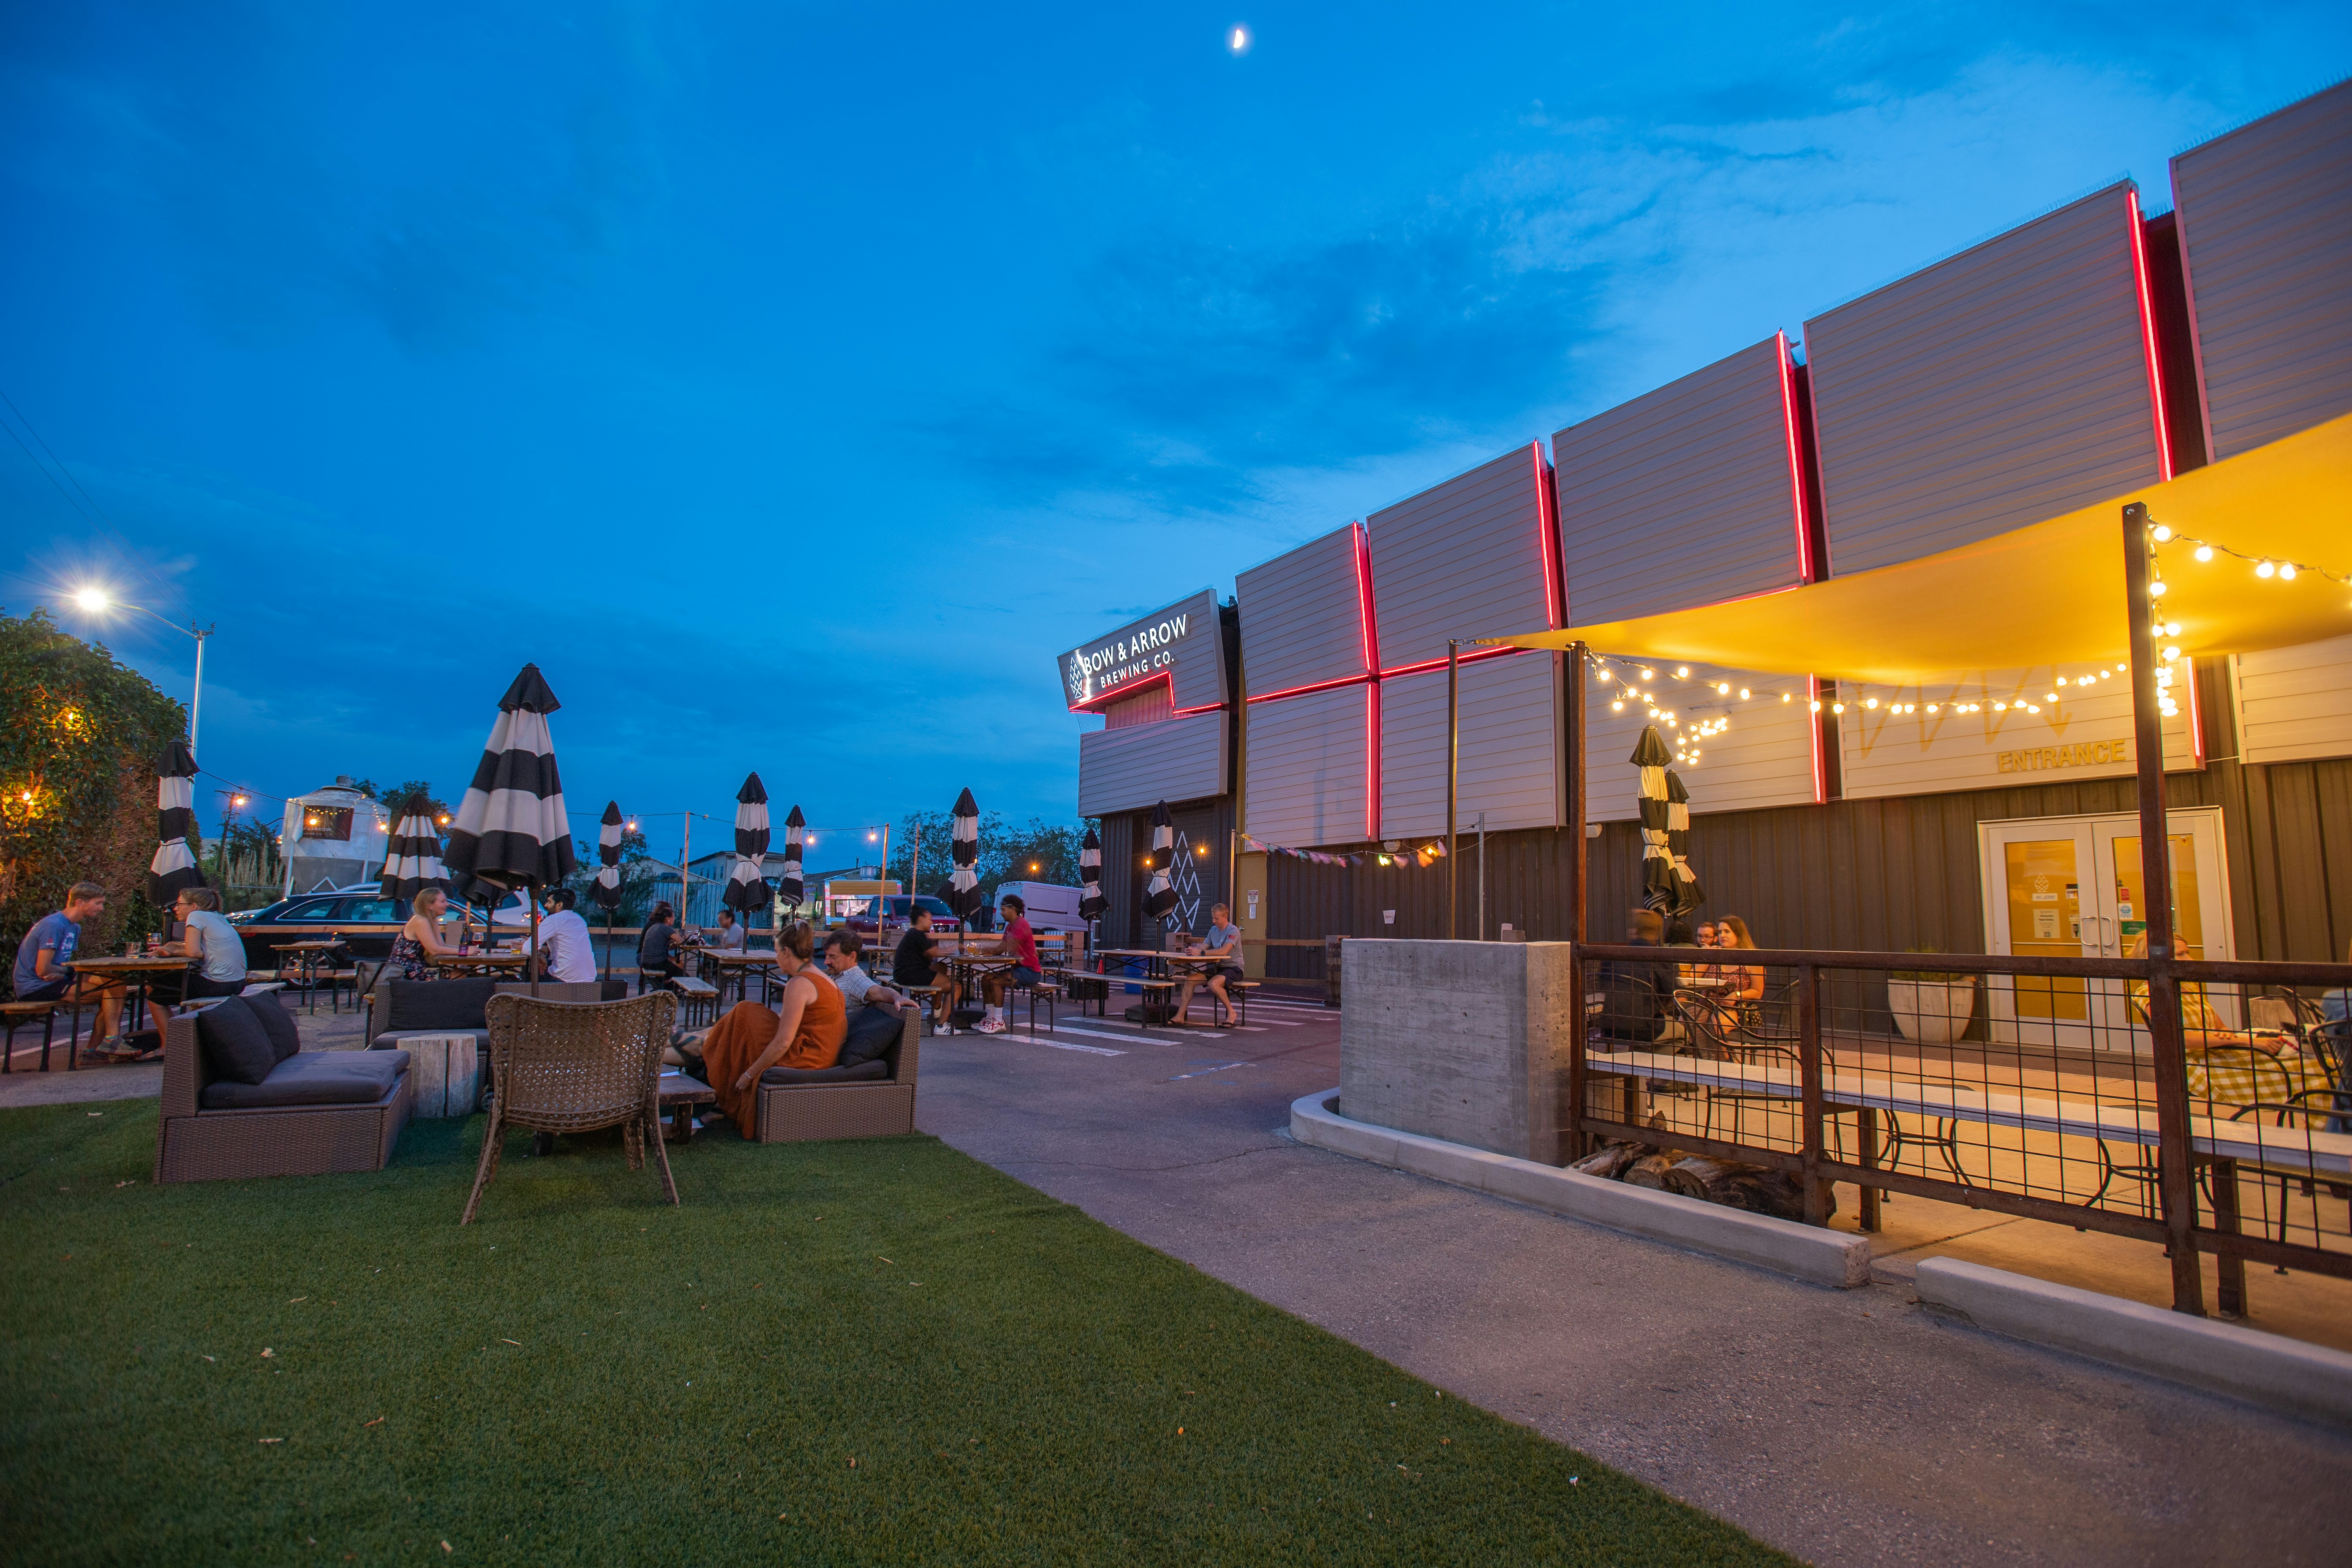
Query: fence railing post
(1809, 1070)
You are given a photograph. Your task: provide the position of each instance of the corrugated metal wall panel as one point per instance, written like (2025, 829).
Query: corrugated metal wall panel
(1184, 641)
(1148, 706)
(1764, 756)
(1121, 770)
(1510, 747)
(1463, 559)
(2267, 214)
(1120, 883)
(2295, 702)
(1306, 759)
(2003, 386)
(1302, 615)
(1685, 496)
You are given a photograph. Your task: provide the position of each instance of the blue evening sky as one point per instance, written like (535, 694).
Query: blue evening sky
(793, 384)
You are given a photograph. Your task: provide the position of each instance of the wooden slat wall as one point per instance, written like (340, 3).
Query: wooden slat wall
(1122, 769)
(1462, 559)
(1302, 615)
(1510, 746)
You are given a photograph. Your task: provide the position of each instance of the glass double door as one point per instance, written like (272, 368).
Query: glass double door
(2069, 886)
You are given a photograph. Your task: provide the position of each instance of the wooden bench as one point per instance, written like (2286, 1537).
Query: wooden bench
(15, 1015)
(696, 998)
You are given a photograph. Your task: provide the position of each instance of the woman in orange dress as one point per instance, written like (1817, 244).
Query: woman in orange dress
(750, 1040)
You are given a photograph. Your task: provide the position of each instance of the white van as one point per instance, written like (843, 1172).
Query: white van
(1049, 908)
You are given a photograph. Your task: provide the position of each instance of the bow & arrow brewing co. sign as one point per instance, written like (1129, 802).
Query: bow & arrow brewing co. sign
(1133, 655)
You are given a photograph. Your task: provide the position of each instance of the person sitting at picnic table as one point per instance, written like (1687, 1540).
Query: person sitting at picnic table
(807, 1033)
(656, 949)
(1018, 942)
(915, 963)
(1747, 979)
(730, 935)
(419, 943)
(45, 966)
(569, 952)
(1635, 992)
(207, 935)
(843, 948)
(1223, 939)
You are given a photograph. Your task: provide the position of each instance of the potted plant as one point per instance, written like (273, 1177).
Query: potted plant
(1931, 1006)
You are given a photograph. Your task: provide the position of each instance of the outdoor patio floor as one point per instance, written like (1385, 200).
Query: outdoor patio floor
(1847, 1427)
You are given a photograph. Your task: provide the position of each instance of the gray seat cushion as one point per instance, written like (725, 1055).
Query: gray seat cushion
(313, 1077)
(435, 1007)
(858, 1072)
(236, 1048)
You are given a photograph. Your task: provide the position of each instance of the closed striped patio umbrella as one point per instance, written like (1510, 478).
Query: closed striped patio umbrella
(174, 865)
(789, 887)
(1650, 755)
(1091, 902)
(1688, 894)
(606, 888)
(1160, 893)
(412, 861)
(511, 830)
(964, 883)
(745, 889)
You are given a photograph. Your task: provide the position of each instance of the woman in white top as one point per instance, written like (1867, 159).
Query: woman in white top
(207, 936)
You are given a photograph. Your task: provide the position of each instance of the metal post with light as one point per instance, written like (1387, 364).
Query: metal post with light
(97, 601)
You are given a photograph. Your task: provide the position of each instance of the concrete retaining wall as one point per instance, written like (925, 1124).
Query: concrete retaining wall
(1821, 1257)
(1462, 1041)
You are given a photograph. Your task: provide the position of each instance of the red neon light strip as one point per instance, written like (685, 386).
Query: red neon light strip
(1796, 463)
(1429, 664)
(2147, 334)
(1546, 539)
(1372, 762)
(2195, 710)
(1121, 694)
(1204, 708)
(1256, 697)
(1364, 617)
(1821, 765)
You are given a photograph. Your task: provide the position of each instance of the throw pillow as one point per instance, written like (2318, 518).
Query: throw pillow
(277, 1022)
(235, 1045)
(872, 1031)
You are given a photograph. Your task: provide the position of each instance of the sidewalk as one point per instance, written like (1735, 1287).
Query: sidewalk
(1849, 1427)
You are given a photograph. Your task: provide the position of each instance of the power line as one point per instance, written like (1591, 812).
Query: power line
(68, 473)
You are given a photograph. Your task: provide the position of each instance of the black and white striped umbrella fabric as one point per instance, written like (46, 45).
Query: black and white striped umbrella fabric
(1091, 902)
(174, 865)
(412, 861)
(790, 886)
(963, 884)
(1688, 894)
(606, 888)
(511, 830)
(1160, 893)
(745, 889)
(1650, 755)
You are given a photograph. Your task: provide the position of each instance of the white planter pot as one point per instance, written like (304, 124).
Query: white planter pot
(1931, 1012)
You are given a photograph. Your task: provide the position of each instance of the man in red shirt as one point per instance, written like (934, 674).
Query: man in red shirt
(1019, 943)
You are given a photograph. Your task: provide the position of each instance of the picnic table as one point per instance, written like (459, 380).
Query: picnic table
(512, 958)
(136, 973)
(306, 956)
(739, 965)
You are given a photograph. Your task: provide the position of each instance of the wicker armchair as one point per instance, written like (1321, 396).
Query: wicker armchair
(575, 1067)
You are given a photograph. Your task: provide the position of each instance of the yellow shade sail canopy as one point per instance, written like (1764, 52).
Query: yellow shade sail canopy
(2052, 594)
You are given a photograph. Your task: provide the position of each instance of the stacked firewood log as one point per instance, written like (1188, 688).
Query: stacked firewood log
(1759, 1189)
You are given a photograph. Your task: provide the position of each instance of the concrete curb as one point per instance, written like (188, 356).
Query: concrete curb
(2280, 1373)
(1818, 1257)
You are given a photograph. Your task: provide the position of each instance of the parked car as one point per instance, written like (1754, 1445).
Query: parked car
(899, 908)
(361, 916)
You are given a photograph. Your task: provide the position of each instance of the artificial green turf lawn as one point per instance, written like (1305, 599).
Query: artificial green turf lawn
(877, 1351)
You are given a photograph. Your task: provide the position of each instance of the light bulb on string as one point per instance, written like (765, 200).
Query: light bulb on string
(2161, 533)
(2155, 590)
(2264, 569)
(2286, 572)
(2172, 628)
(2204, 552)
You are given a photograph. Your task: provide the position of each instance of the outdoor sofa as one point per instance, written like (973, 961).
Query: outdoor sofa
(872, 1098)
(242, 1098)
(405, 1009)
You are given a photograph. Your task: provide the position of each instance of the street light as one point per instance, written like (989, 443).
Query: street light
(93, 599)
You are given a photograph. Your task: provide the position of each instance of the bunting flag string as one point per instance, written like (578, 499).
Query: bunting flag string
(1425, 856)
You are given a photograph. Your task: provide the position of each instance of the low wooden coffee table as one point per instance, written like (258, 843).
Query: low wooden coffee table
(680, 1093)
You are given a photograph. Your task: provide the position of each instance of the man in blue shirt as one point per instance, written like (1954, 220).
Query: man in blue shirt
(45, 959)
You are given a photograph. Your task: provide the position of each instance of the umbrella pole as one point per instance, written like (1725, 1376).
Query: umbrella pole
(535, 947)
(1578, 865)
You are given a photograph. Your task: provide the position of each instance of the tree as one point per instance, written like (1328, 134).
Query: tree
(78, 737)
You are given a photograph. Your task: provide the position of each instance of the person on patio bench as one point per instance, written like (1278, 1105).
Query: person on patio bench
(750, 1040)
(1018, 942)
(419, 941)
(1223, 941)
(918, 951)
(44, 960)
(209, 937)
(658, 960)
(842, 948)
